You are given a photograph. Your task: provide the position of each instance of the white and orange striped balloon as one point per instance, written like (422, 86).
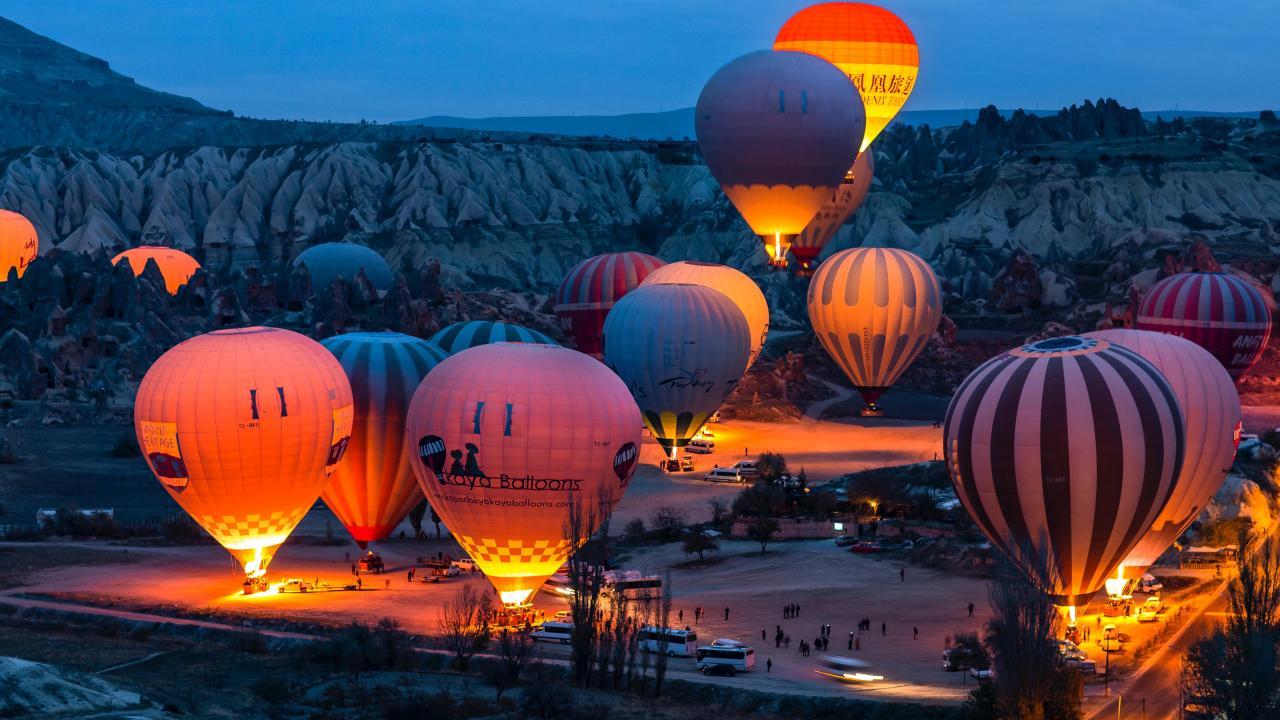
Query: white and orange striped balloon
(734, 284)
(1211, 409)
(1065, 449)
(874, 309)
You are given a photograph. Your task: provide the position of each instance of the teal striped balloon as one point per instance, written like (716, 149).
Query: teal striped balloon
(462, 335)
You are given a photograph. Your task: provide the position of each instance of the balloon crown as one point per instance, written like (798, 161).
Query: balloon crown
(1059, 346)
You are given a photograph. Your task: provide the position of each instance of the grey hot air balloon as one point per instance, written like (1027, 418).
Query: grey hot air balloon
(329, 261)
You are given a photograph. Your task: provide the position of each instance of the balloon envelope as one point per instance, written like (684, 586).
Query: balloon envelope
(871, 45)
(778, 130)
(327, 262)
(1217, 311)
(874, 310)
(734, 284)
(591, 288)
(1066, 449)
(243, 428)
(176, 267)
(681, 350)
(507, 436)
(1211, 410)
(844, 202)
(374, 487)
(472, 333)
(18, 244)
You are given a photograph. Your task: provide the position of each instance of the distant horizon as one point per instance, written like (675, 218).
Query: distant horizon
(389, 61)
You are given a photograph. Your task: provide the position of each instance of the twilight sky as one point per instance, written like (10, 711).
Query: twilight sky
(400, 59)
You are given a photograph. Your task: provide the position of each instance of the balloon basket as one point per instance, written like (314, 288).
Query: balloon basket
(255, 584)
(871, 410)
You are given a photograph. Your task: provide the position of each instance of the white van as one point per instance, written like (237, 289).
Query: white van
(553, 632)
(702, 447)
(669, 641)
(748, 468)
(729, 656)
(725, 475)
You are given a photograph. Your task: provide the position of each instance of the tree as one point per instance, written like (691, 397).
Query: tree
(415, 517)
(1235, 670)
(1031, 680)
(719, 513)
(698, 541)
(515, 649)
(772, 466)
(464, 624)
(667, 523)
(762, 528)
(760, 499)
(586, 577)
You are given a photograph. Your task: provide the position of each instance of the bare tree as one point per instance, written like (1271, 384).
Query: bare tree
(1031, 681)
(719, 512)
(1235, 670)
(465, 624)
(762, 528)
(586, 577)
(663, 618)
(667, 523)
(698, 542)
(515, 650)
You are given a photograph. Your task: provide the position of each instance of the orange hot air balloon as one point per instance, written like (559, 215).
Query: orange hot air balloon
(843, 204)
(374, 488)
(507, 436)
(18, 243)
(175, 266)
(869, 44)
(243, 428)
(734, 284)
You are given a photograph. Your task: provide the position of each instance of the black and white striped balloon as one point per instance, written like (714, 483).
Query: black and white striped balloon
(1065, 449)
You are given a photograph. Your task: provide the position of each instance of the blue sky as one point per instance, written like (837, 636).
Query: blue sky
(399, 59)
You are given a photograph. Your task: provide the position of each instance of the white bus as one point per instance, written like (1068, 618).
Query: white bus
(730, 655)
(671, 641)
(553, 632)
(632, 586)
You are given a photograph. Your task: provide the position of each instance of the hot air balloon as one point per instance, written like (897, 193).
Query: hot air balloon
(735, 285)
(507, 436)
(1217, 311)
(1211, 412)
(874, 309)
(374, 487)
(778, 130)
(681, 349)
(175, 266)
(243, 428)
(468, 334)
(869, 44)
(839, 208)
(332, 260)
(591, 288)
(18, 244)
(1065, 449)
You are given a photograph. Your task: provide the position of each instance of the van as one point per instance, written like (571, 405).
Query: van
(553, 632)
(724, 475)
(748, 468)
(702, 447)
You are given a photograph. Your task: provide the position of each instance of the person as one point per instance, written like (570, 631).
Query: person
(902, 574)
(359, 583)
(726, 613)
(763, 635)
(970, 609)
(768, 665)
(681, 614)
(857, 644)
(786, 642)
(408, 576)
(884, 629)
(915, 633)
(795, 610)
(786, 611)
(850, 639)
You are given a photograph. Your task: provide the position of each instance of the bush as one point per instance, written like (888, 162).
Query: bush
(126, 446)
(667, 523)
(634, 532)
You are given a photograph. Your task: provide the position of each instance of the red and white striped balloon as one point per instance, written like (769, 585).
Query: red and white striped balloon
(1065, 449)
(1217, 311)
(589, 291)
(1211, 409)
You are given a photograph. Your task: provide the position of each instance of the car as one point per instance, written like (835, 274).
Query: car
(563, 615)
(1153, 603)
(670, 465)
(724, 475)
(686, 463)
(1070, 651)
(465, 565)
(845, 540)
(866, 546)
(981, 674)
(1085, 666)
(719, 670)
(297, 585)
(1149, 584)
(701, 447)
(1146, 616)
(705, 433)
(715, 417)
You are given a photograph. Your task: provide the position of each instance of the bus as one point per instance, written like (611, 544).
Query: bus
(671, 641)
(729, 655)
(632, 586)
